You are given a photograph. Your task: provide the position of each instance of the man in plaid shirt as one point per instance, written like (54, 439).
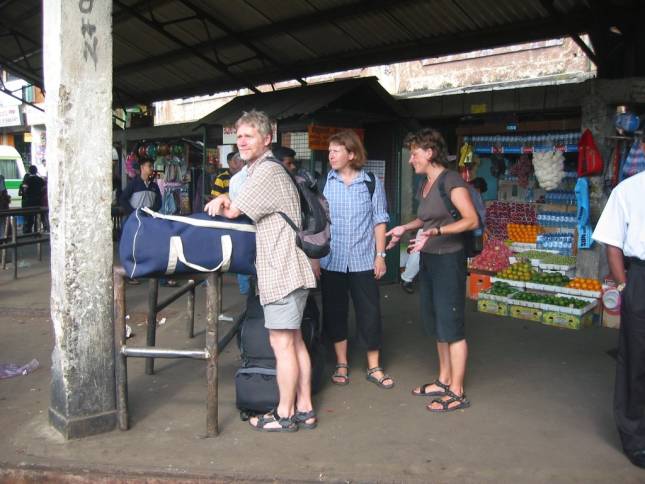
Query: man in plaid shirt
(284, 271)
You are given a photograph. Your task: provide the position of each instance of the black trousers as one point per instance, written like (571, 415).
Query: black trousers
(629, 393)
(336, 288)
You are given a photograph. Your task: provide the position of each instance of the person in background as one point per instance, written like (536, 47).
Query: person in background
(5, 202)
(221, 183)
(32, 195)
(443, 265)
(288, 158)
(284, 273)
(357, 257)
(235, 187)
(142, 191)
(621, 228)
(411, 268)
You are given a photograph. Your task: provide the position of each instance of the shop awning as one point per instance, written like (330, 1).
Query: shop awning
(365, 95)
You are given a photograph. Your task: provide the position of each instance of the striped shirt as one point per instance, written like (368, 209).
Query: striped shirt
(353, 218)
(221, 183)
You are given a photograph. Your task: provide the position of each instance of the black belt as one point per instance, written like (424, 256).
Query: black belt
(635, 261)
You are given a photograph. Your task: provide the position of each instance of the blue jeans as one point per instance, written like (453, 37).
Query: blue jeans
(243, 282)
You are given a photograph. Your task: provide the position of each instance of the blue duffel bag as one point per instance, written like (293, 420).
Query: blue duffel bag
(153, 244)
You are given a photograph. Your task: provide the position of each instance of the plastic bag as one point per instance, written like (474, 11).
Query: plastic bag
(10, 370)
(589, 159)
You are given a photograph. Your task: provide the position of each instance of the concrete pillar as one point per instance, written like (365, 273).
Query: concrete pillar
(597, 116)
(78, 80)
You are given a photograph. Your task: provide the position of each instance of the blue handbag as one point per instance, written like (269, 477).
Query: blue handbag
(153, 244)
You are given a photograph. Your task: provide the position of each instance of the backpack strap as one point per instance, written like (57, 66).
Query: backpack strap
(293, 179)
(452, 210)
(454, 213)
(371, 184)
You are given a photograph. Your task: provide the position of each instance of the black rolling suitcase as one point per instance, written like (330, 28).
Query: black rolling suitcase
(256, 389)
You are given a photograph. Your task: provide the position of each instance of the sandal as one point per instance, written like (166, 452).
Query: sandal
(301, 419)
(286, 424)
(338, 375)
(423, 393)
(445, 404)
(379, 381)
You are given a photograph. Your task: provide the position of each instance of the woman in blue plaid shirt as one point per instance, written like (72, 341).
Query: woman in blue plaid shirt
(357, 259)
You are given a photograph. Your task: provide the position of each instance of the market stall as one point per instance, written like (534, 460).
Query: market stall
(539, 222)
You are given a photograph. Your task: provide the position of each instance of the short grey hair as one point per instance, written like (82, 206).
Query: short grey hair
(258, 119)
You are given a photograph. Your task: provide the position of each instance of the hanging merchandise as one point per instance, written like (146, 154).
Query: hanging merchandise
(626, 122)
(130, 162)
(163, 149)
(465, 155)
(151, 151)
(549, 169)
(177, 150)
(173, 171)
(168, 205)
(141, 151)
(635, 161)
(497, 165)
(522, 169)
(589, 159)
(582, 199)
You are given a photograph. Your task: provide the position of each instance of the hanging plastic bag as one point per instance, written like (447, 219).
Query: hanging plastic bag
(635, 161)
(589, 159)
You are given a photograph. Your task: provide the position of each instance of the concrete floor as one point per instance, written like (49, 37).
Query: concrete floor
(541, 408)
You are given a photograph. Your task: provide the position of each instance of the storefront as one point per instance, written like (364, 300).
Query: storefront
(548, 178)
(305, 118)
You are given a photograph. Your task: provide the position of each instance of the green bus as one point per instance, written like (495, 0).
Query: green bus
(13, 169)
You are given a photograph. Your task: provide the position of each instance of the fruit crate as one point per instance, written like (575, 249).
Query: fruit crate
(523, 312)
(566, 270)
(591, 303)
(569, 321)
(492, 307)
(485, 295)
(512, 282)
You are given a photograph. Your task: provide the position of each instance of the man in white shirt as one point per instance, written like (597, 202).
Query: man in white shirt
(622, 229)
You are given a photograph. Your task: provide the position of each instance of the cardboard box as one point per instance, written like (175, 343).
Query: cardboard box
(569, 321)
(492, 307)
(476, 283)
(522, 312)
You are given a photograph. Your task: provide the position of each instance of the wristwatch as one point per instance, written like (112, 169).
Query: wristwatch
(381, 254)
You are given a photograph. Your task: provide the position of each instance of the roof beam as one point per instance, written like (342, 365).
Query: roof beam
(238, 38)
(559, 17)
(217, 65)
(293, 23)
(419, 49)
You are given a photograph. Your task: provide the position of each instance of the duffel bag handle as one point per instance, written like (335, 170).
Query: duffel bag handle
(213, 224)
(176, 254)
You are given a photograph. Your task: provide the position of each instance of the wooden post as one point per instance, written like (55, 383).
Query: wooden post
(213, 309)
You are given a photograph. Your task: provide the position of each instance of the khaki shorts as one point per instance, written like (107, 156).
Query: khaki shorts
(286, 313)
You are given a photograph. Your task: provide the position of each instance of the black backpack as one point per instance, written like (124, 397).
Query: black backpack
(315, 234)
(473, 239)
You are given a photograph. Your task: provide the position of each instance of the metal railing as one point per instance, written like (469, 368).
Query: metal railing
(36, 218)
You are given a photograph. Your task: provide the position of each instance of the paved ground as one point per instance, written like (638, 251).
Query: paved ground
(541, 408)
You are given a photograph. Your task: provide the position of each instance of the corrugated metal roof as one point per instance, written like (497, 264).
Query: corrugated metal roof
(165, 49)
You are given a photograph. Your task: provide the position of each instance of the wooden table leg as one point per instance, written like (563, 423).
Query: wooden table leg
(213, 309)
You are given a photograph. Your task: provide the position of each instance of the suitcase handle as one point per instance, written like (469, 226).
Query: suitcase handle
(176, 253)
